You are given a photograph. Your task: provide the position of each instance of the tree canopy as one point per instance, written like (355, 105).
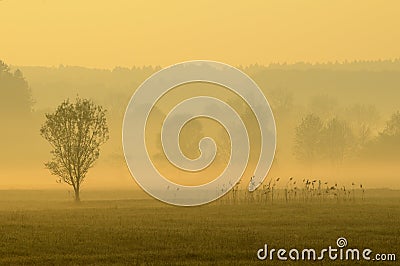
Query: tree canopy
(75, 131)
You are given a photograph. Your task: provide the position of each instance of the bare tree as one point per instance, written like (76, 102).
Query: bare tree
(75, 131)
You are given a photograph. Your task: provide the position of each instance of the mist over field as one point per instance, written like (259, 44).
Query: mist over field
(330, 71)
(361, 96)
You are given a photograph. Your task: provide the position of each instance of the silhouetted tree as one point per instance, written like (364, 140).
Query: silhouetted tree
(392, 128)
(337, 140)
(387, 143)
(308, 138)
(75, 131)
(15, 95)
(363, 120)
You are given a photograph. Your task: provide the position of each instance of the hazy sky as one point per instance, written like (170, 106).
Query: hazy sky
(125, 32)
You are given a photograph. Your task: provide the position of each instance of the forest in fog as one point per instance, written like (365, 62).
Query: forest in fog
(338, 121)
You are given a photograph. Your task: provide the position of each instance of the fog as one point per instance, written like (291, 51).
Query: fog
(355, 102)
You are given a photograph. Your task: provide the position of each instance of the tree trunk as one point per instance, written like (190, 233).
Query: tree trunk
(77, 197)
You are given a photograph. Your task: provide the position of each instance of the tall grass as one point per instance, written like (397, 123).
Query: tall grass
(296, 190)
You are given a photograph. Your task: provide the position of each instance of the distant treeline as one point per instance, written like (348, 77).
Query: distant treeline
(356, 99)
(358, 65)
(375, 83)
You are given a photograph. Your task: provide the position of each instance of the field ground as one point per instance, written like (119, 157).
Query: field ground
(129, 228)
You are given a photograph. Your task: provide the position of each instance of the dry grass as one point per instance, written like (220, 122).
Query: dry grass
(145, 231)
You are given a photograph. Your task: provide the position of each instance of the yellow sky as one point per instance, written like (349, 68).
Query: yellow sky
(125, 33)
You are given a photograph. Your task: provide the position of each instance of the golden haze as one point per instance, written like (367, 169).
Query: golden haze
(104, 34)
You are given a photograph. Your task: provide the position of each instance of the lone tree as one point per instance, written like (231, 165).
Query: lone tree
(76, 131)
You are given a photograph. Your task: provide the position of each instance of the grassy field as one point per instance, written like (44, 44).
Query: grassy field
(128, 228)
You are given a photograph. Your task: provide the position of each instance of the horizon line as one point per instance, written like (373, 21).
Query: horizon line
(271, 64)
